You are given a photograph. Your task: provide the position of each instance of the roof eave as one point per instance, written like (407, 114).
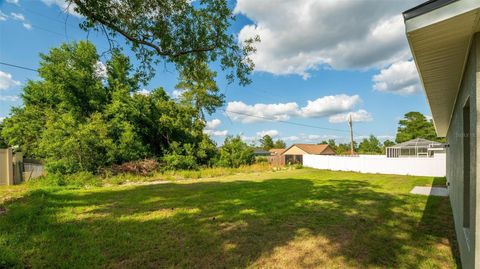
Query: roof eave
(429, 28)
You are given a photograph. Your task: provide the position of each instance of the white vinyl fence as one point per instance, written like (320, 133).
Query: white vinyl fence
(380, 164)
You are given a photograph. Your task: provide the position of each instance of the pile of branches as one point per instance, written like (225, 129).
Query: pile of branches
(140, 167)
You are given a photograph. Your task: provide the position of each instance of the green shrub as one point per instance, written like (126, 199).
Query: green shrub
(180, 157)
(80, 179)
(235, 153)
(261, 159)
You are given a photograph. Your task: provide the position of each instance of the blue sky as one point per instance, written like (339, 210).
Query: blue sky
(318, 62)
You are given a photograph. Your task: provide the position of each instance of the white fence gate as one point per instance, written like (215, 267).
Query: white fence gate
(380, 164)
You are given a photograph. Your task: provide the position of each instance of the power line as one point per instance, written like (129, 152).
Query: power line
(63, 22)
(20, 67)
(287, 122)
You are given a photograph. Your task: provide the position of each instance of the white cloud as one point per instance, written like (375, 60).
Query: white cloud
(3, 16)
(290, 138)
(314, 137)
(2, 119)
(144, 92)
(399, 78)
(385, 137)
(215, 132)
(17, 16)
(310, 138)
(300, 36)
(16, 2)
(6, 81)
(271, 133)
(101, 70)
(9, 98)
(329, 105)
(357, 116)
(321, 107)
(177, 94)
(213, 124)
(211, 128)
(27, 26)
(248, 139)
(63, 5)
(240, 111)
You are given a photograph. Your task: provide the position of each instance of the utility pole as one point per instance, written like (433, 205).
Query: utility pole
(351, 133)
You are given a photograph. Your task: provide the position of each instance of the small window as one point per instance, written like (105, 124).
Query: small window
(466, 164)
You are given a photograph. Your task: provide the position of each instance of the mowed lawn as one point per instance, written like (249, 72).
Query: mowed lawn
(301, 218)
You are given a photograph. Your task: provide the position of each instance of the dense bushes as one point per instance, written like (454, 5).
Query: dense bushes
(235, 153)
(83, 117)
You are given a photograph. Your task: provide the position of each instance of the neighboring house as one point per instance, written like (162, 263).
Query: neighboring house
(417, 147)
(261, 152)
(276, 158)
(276, 152)
(445, 42)
(294, 154)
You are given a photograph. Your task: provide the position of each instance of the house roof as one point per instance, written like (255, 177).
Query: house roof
(260, 151)
(277, 151)
(425, 7)
(311, 148)
(439, 33)
(417, 143)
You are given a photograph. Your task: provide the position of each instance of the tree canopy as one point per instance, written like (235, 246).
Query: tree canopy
(235, 153)
(416, 125)
(279, 144)
(370, 145)
(183, 32)
(266, 142)
(77, 118)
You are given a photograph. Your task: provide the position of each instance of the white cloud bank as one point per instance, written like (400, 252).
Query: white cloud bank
(239, 111)
(3, 16)
(271, 133)
(6, 81)
(357, 116)
(17, 16)
(211, 128)
(9, 98)
(340, 34)
(27, 25)
(399, 78)
(213, 124)
(326, 106)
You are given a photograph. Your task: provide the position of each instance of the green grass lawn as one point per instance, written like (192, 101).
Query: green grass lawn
(289, 219)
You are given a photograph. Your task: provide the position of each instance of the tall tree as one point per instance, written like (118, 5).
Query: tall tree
(387, 143)
(415, 125)
(331, 143)
(266, 142)
(77, 118)
(235, 152)
(279, 144)
(199, 89)
(3, 142)
(370, 145)
(182, 32)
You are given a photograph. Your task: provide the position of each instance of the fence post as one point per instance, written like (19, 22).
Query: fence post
(6, 167)
(17, 168)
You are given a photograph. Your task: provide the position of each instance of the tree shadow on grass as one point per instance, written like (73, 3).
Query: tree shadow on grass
(271, 223)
